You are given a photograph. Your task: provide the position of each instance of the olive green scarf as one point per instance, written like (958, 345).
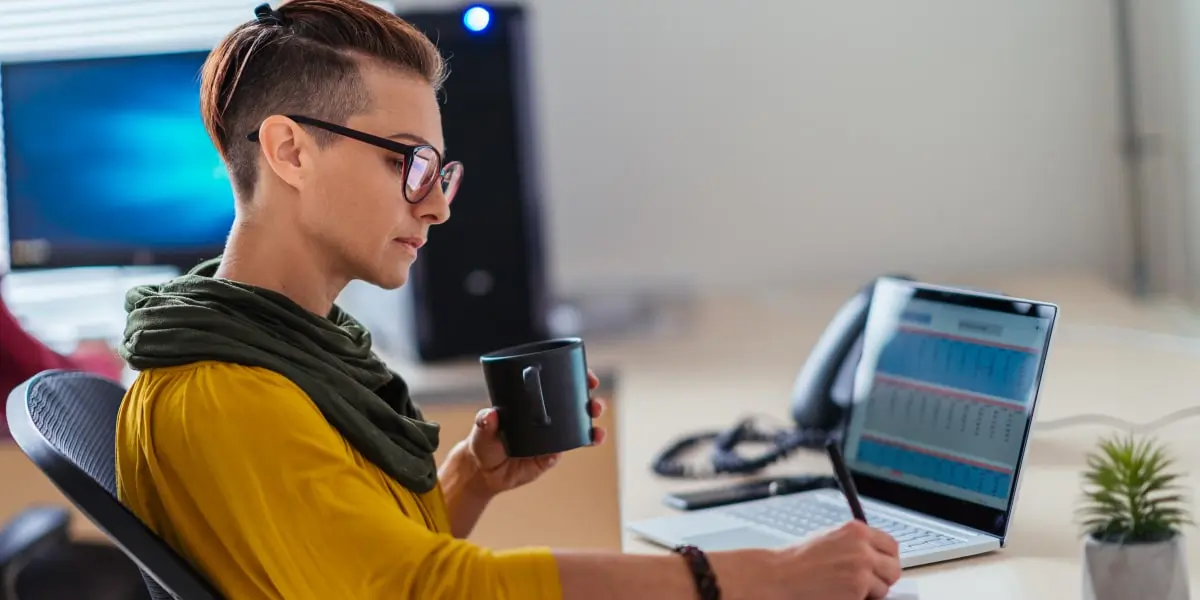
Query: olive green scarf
(198, 317)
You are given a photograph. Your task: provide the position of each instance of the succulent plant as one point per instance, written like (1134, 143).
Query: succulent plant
(1131, 494)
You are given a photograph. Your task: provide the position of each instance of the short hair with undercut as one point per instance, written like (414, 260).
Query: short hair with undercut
(303, 58)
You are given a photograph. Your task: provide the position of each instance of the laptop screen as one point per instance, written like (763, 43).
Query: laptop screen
(943, 399)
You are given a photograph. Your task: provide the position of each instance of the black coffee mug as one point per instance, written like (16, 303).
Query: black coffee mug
(540, 391)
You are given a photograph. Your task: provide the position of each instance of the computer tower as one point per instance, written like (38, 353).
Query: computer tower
(480, 283)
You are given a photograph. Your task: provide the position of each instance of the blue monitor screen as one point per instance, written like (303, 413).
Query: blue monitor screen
(107, 160)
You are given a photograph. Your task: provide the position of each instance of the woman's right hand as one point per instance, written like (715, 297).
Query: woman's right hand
(852, 562)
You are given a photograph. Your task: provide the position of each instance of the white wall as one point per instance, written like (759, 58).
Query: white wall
(823, 139)
(795, 140)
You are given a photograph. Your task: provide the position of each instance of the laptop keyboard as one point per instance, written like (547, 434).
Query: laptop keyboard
(803, 515)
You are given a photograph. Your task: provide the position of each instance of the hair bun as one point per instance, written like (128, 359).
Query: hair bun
(268, 16)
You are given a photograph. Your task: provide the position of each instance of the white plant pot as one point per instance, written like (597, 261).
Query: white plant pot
(1150, 571)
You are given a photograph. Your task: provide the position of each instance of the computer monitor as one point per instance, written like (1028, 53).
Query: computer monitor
(107, 163)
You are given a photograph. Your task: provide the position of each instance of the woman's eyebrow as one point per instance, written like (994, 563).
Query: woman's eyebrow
(416, 138)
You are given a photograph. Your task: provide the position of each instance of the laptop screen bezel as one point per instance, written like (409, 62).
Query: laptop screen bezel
(962, 512)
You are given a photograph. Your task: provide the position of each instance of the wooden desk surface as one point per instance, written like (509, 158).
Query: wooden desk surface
(743, 351)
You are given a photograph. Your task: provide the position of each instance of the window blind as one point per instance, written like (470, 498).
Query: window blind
(36, 29)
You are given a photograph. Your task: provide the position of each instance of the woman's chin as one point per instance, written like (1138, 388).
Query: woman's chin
(394, 276)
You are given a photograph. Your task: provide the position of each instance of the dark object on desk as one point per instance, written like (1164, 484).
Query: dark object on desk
(746, 491)
(824, 387)
(820, 396)
(540, 391)
(845, 480)
(66, 423)
(40, 561)
(725, 458)
(481, 283)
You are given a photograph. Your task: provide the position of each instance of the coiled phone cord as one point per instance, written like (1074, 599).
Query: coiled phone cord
(725, 460)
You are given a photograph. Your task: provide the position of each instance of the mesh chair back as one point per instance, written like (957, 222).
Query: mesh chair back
(66, 423)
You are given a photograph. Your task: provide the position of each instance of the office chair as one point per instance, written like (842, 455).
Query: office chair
(40, 561)
(66, 422)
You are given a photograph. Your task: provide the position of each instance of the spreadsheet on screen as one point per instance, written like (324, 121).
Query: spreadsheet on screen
(946, 400)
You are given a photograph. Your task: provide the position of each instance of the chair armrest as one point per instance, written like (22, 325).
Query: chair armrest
(30, 533)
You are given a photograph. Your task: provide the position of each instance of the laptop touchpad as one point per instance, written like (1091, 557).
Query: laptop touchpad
(737, 538)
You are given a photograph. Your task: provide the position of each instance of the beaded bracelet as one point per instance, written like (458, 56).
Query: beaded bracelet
(706, 580)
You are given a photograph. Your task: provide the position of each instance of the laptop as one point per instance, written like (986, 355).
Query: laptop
(936, 433)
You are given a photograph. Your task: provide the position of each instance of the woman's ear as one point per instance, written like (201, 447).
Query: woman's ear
(284, 145)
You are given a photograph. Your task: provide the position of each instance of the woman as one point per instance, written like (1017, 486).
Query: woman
(266, 442)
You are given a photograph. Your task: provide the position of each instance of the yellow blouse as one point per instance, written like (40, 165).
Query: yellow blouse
(239, 471)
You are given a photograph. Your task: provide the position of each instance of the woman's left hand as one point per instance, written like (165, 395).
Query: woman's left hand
(499, 473)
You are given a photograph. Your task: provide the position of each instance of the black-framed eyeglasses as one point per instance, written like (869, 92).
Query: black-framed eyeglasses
(422, 164)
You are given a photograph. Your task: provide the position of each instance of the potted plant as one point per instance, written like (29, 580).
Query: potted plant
(1132, 514)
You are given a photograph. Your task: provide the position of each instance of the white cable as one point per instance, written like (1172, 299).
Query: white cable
(1098, 419)
(1076, 421)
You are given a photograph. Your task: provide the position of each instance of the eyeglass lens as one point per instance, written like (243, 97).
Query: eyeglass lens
(424, 172)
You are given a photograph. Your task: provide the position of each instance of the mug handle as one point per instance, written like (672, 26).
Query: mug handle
(532, 377)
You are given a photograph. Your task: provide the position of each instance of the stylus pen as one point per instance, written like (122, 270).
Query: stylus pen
(843, 476)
